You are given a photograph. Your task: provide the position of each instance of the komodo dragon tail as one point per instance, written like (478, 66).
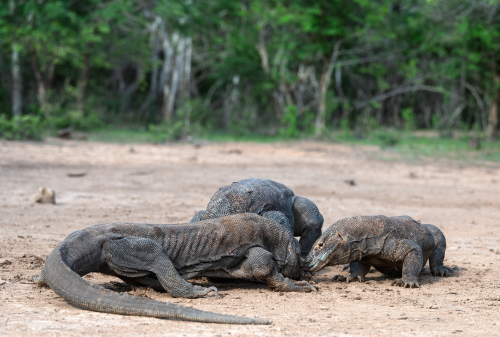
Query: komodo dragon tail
(84, 294)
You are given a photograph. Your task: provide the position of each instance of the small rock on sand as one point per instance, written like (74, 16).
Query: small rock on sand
(45, 196)
(5, 262)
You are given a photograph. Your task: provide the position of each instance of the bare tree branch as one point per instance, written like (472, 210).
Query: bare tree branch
(396, 92)
(474, 93)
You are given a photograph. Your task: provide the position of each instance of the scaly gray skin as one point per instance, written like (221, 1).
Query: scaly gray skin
(261, 196)
(242, 246)
(397, 246)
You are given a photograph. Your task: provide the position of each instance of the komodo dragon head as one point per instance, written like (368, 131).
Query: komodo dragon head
(332, 248)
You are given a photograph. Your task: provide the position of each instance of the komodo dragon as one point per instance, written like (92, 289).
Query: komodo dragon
(242, 246)
(261, 196)
(397, 246)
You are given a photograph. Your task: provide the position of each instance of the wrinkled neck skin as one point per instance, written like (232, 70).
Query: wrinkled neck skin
(361, 248)
(341, 256)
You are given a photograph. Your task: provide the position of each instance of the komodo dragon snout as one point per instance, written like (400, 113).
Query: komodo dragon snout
(330, 249)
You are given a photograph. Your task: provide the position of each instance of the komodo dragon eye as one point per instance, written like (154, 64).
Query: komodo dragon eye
(321, 244)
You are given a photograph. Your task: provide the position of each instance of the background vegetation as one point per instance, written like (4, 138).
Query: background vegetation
(262, 67)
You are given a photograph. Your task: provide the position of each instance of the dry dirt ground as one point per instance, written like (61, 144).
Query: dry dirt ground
(168, 183)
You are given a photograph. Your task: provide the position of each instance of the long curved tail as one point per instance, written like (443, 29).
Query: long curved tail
(84, 294)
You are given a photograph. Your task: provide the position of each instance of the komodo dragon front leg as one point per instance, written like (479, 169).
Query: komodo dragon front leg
(136, 258)
(308, 223)
(411, 253)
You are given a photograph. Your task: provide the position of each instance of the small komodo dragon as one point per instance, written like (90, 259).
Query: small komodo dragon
(242, 246)
(396, 246)
(265, 197)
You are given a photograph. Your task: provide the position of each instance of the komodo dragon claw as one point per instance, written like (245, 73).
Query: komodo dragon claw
(406, 282)
(307, 286)
(211, 289)
(199, 291)
(342, 278)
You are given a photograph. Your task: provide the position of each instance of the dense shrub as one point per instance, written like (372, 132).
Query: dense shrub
(23, 127)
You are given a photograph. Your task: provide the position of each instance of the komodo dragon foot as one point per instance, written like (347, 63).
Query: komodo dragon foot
(443, 271)
(406, 282)
(199, 291)
(287, 285)
(350, 278)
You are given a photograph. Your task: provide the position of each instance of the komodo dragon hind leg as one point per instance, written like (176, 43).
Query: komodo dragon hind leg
(261, 265)
(137, 257)
(437, 257)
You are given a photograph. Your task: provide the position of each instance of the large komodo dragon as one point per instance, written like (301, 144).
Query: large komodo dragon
(242, 246)
(397, 246)
(266, 197)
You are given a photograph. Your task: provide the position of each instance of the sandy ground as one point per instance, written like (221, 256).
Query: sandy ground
(168, 183)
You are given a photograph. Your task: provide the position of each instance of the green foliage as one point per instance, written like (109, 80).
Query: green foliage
(257, 66)
(409, 118)
(20, 128)
(365, 124)
(289, 128)
(396, 145)
(344, 125)
(437, 122)
(387, 138)
(166, 131)
(75, 120)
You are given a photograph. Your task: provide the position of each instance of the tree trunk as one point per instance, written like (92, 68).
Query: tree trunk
(186, 73)
(320, 116)
(153, 90)
(326, 74)
(16, 83)
(49, 73)
(231, 101)
(396, 103)
(493, 117)
(168, 52)
(264, 58)
(176, 76)
(41, 92)
(16, 74)
(84, 80)
(340, 91)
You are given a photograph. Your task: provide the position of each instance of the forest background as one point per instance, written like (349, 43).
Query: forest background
(288, 68)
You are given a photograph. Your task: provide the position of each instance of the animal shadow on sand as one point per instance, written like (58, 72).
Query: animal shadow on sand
(374, 277)
(220, 283)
